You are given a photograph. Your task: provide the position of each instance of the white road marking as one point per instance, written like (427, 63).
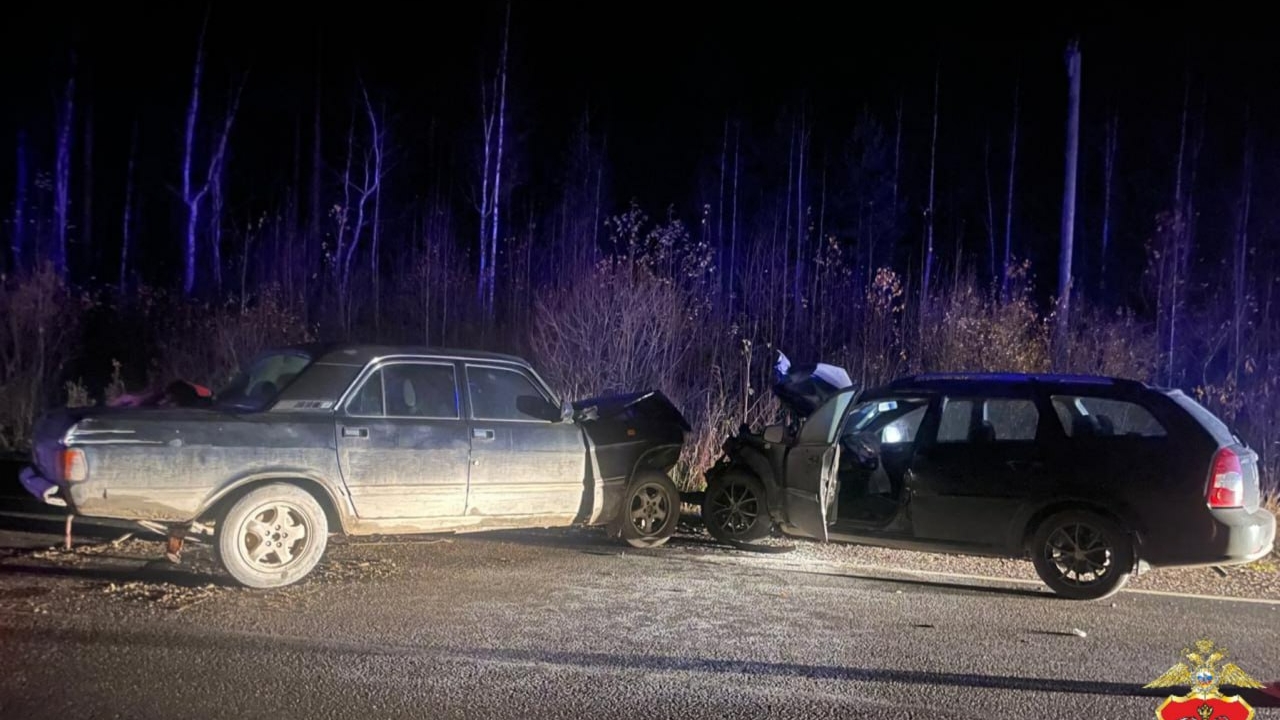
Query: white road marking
(888, 572)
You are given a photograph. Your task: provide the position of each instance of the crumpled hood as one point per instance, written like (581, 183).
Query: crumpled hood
(650, 404)
(803, 388)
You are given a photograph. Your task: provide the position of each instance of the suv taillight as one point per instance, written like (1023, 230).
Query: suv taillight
(74, 465)
(1226, 481)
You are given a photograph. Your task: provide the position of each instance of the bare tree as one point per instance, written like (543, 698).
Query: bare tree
(1061, 331)
(1008, 207)
(733, 224)
(1109, 147)
(62, 177)
(927, 278)
(375, 245)
(126, 234)
(351, 227)
(17, 241)
(192, 195)
(991, 211)
(1240, 252)
(494, 120)
(897, 152)
(86, 191)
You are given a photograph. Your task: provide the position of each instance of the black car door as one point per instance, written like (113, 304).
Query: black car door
(970, 475)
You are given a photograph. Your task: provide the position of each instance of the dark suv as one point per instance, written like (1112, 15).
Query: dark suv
(1091, 477)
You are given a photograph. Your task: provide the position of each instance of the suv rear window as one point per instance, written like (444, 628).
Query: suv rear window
(1104, 417)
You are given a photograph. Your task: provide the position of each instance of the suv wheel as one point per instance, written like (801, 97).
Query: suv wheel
(735, 508)
(1082, 555)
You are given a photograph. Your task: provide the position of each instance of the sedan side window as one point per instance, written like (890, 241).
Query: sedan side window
(495, 393)
(421, 390)
(408, 390)
(1088, 417)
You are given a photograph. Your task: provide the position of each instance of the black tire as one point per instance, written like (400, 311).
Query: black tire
(254, 543)
(1082, 555)
(650, 510)
(736, 508)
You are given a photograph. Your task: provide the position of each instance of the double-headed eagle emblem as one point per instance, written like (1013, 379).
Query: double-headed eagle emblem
(1203, 674)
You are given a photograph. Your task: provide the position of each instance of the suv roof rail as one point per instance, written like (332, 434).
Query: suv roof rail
(1066, 378)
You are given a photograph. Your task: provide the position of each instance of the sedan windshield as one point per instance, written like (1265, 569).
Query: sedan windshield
(258, 384)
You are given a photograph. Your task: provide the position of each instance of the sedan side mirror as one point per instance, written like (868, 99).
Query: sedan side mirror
(537, 407)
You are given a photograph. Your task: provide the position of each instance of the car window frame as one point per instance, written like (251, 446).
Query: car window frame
(523, 372)
(376, 369)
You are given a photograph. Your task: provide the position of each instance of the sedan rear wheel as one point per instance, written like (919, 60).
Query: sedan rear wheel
(651, 510)
(1082, 555)
(735, 508)
(273, 536)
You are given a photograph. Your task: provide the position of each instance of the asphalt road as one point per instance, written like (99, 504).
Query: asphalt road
(570, 625)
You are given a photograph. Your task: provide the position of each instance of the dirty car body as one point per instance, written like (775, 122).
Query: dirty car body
(1091, 478)
(384, 440)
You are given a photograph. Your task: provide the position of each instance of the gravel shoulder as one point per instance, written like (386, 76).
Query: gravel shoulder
(1258, 580)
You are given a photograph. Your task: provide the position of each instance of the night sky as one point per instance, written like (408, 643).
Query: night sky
(659, 81)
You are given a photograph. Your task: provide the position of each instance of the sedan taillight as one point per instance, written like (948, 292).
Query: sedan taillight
(74, 466)
(1226, 481)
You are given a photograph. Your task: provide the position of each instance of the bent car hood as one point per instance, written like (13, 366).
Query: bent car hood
(803, 388)
(649, 405)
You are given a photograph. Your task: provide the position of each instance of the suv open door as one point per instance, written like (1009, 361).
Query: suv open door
(811, 467)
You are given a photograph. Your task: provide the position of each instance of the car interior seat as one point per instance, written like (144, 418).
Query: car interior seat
(409, 398)
(1105, 426)
(983, 432)
(263, 390)
(1082, 427)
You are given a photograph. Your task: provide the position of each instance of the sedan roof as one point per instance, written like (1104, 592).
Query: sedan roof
(358, 354)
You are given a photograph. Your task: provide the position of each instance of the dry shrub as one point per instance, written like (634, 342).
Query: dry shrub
(619, 328)
(39, 325)
(882, 338)
(1116, 345)
(967, 329)
(208, 343)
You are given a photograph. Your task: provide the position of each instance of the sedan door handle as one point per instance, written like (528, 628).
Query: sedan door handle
(355, 432)
(480, 434)
(1024, 465)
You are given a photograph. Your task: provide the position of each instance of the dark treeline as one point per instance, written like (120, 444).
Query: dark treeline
(170, 208)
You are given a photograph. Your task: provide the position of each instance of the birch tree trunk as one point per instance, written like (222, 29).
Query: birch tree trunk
(1063, 317)
(927, 274)
(62, 178)
(1008, 206)
(1109, 147)
(18, 241)
(126, 234)
(1240, 254)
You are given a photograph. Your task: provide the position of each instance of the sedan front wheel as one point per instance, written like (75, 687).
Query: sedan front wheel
(650, 511)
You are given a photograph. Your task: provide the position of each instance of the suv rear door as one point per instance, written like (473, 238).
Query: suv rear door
(811, 466)
(979, 462)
